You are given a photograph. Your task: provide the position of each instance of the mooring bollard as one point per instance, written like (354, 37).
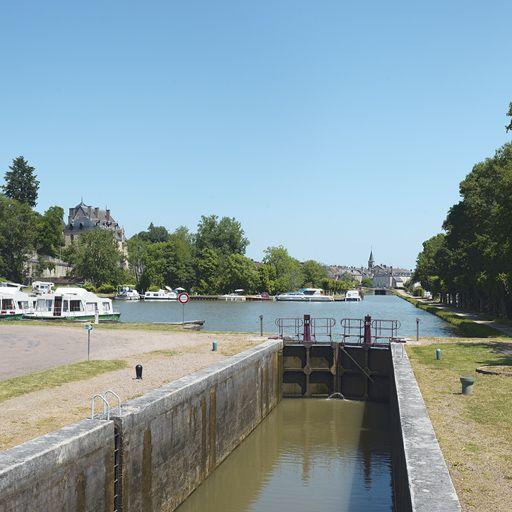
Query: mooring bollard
(138, 372)
(467, 385)
(214, 346)
(261, 325)
(438, 354)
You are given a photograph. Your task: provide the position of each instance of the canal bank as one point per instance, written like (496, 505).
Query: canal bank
(163, 445)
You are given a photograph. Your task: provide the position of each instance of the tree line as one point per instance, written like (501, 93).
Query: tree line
(213, 261)
(210, 261)
(469, 264)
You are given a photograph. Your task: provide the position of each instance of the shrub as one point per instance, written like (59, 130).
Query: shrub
(106, 288)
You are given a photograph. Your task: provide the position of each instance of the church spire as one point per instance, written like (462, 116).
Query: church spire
(371, 261)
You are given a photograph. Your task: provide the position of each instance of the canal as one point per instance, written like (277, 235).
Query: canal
(244, 316)
(329, 455)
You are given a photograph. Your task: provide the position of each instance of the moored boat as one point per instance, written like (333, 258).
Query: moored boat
(126, 292)
(305, 295)
(13, 302)
(353, 296)
(236, 296)
(75, 304)
(162, 295)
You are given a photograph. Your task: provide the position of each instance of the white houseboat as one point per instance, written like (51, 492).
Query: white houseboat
(305, 295)
(75, 304)
(162, 295)
(236, 296)
(126, 292)
(353, 296)
(13, 302)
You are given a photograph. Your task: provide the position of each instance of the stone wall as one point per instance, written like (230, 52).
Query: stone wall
(421, 479)
(172, 438)
(70, 470)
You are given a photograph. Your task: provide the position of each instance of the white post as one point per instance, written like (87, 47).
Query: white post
(96, 317)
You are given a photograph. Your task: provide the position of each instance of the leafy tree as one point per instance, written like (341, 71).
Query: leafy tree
(238, 271)
(225, 235)
(285, 273)
(49, 236)
(95, 257)
(427, 264)
(21, 182)
(208, 264)
(154, 234)
(137, 259)
(367, 282)
(509, 114)
(314, 272)
(17, 235)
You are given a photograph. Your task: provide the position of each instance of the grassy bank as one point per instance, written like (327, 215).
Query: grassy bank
(465, 326)
(53, 377)
(473, 431)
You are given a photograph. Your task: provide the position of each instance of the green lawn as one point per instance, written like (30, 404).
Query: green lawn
(474, 431)
(57, 376)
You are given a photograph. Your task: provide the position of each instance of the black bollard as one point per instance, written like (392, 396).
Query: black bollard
(138, 372)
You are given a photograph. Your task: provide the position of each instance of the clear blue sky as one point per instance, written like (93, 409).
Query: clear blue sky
(324, 126)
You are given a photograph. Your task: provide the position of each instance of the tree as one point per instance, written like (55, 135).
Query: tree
(95, 257)
(17, 234)
(49, 236)
(314, 272)
(367, 282)
(509, 114)
(427, 264)
(239, 272)
(285, 273)
(137, 258)
(225, 236)
(208, 264)
(21, 182)
(154, 234)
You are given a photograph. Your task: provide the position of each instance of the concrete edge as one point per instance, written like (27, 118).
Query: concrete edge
(180, 389)
(430, 486)
(45, 452)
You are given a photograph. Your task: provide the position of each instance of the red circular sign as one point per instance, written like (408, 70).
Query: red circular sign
(183, 297)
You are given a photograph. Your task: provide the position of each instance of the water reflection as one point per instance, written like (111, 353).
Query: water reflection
(328, 455)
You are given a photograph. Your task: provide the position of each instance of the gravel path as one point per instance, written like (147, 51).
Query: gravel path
(30, 348)
(176, 355)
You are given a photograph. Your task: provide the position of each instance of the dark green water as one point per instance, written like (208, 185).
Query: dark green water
(307, 455)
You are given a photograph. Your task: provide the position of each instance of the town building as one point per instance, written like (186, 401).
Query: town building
(382, 276)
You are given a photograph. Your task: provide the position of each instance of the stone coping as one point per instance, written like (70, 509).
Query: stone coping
(430, 486)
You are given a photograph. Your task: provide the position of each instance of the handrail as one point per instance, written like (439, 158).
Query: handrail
(106, 406)
(116, 396)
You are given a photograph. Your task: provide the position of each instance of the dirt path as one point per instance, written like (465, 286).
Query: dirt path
(29, 348)
(40, 412)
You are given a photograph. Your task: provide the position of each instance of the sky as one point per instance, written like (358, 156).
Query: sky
(329, 127)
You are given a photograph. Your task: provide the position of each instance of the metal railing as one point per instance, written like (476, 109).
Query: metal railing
(316, 329)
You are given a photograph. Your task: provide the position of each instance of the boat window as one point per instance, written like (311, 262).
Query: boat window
(90, 306)
(7, 304)
(106, 306)
(23, 304)
(65, 305)
(75, 305)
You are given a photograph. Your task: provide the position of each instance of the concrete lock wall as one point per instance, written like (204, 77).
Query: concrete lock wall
(421, 479)
(70, 470)
(172, 438)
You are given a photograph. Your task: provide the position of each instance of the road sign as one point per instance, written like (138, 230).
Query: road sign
(183, 298)
(88, 327)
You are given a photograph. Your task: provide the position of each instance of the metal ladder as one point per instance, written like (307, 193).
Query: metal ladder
(106, 404)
